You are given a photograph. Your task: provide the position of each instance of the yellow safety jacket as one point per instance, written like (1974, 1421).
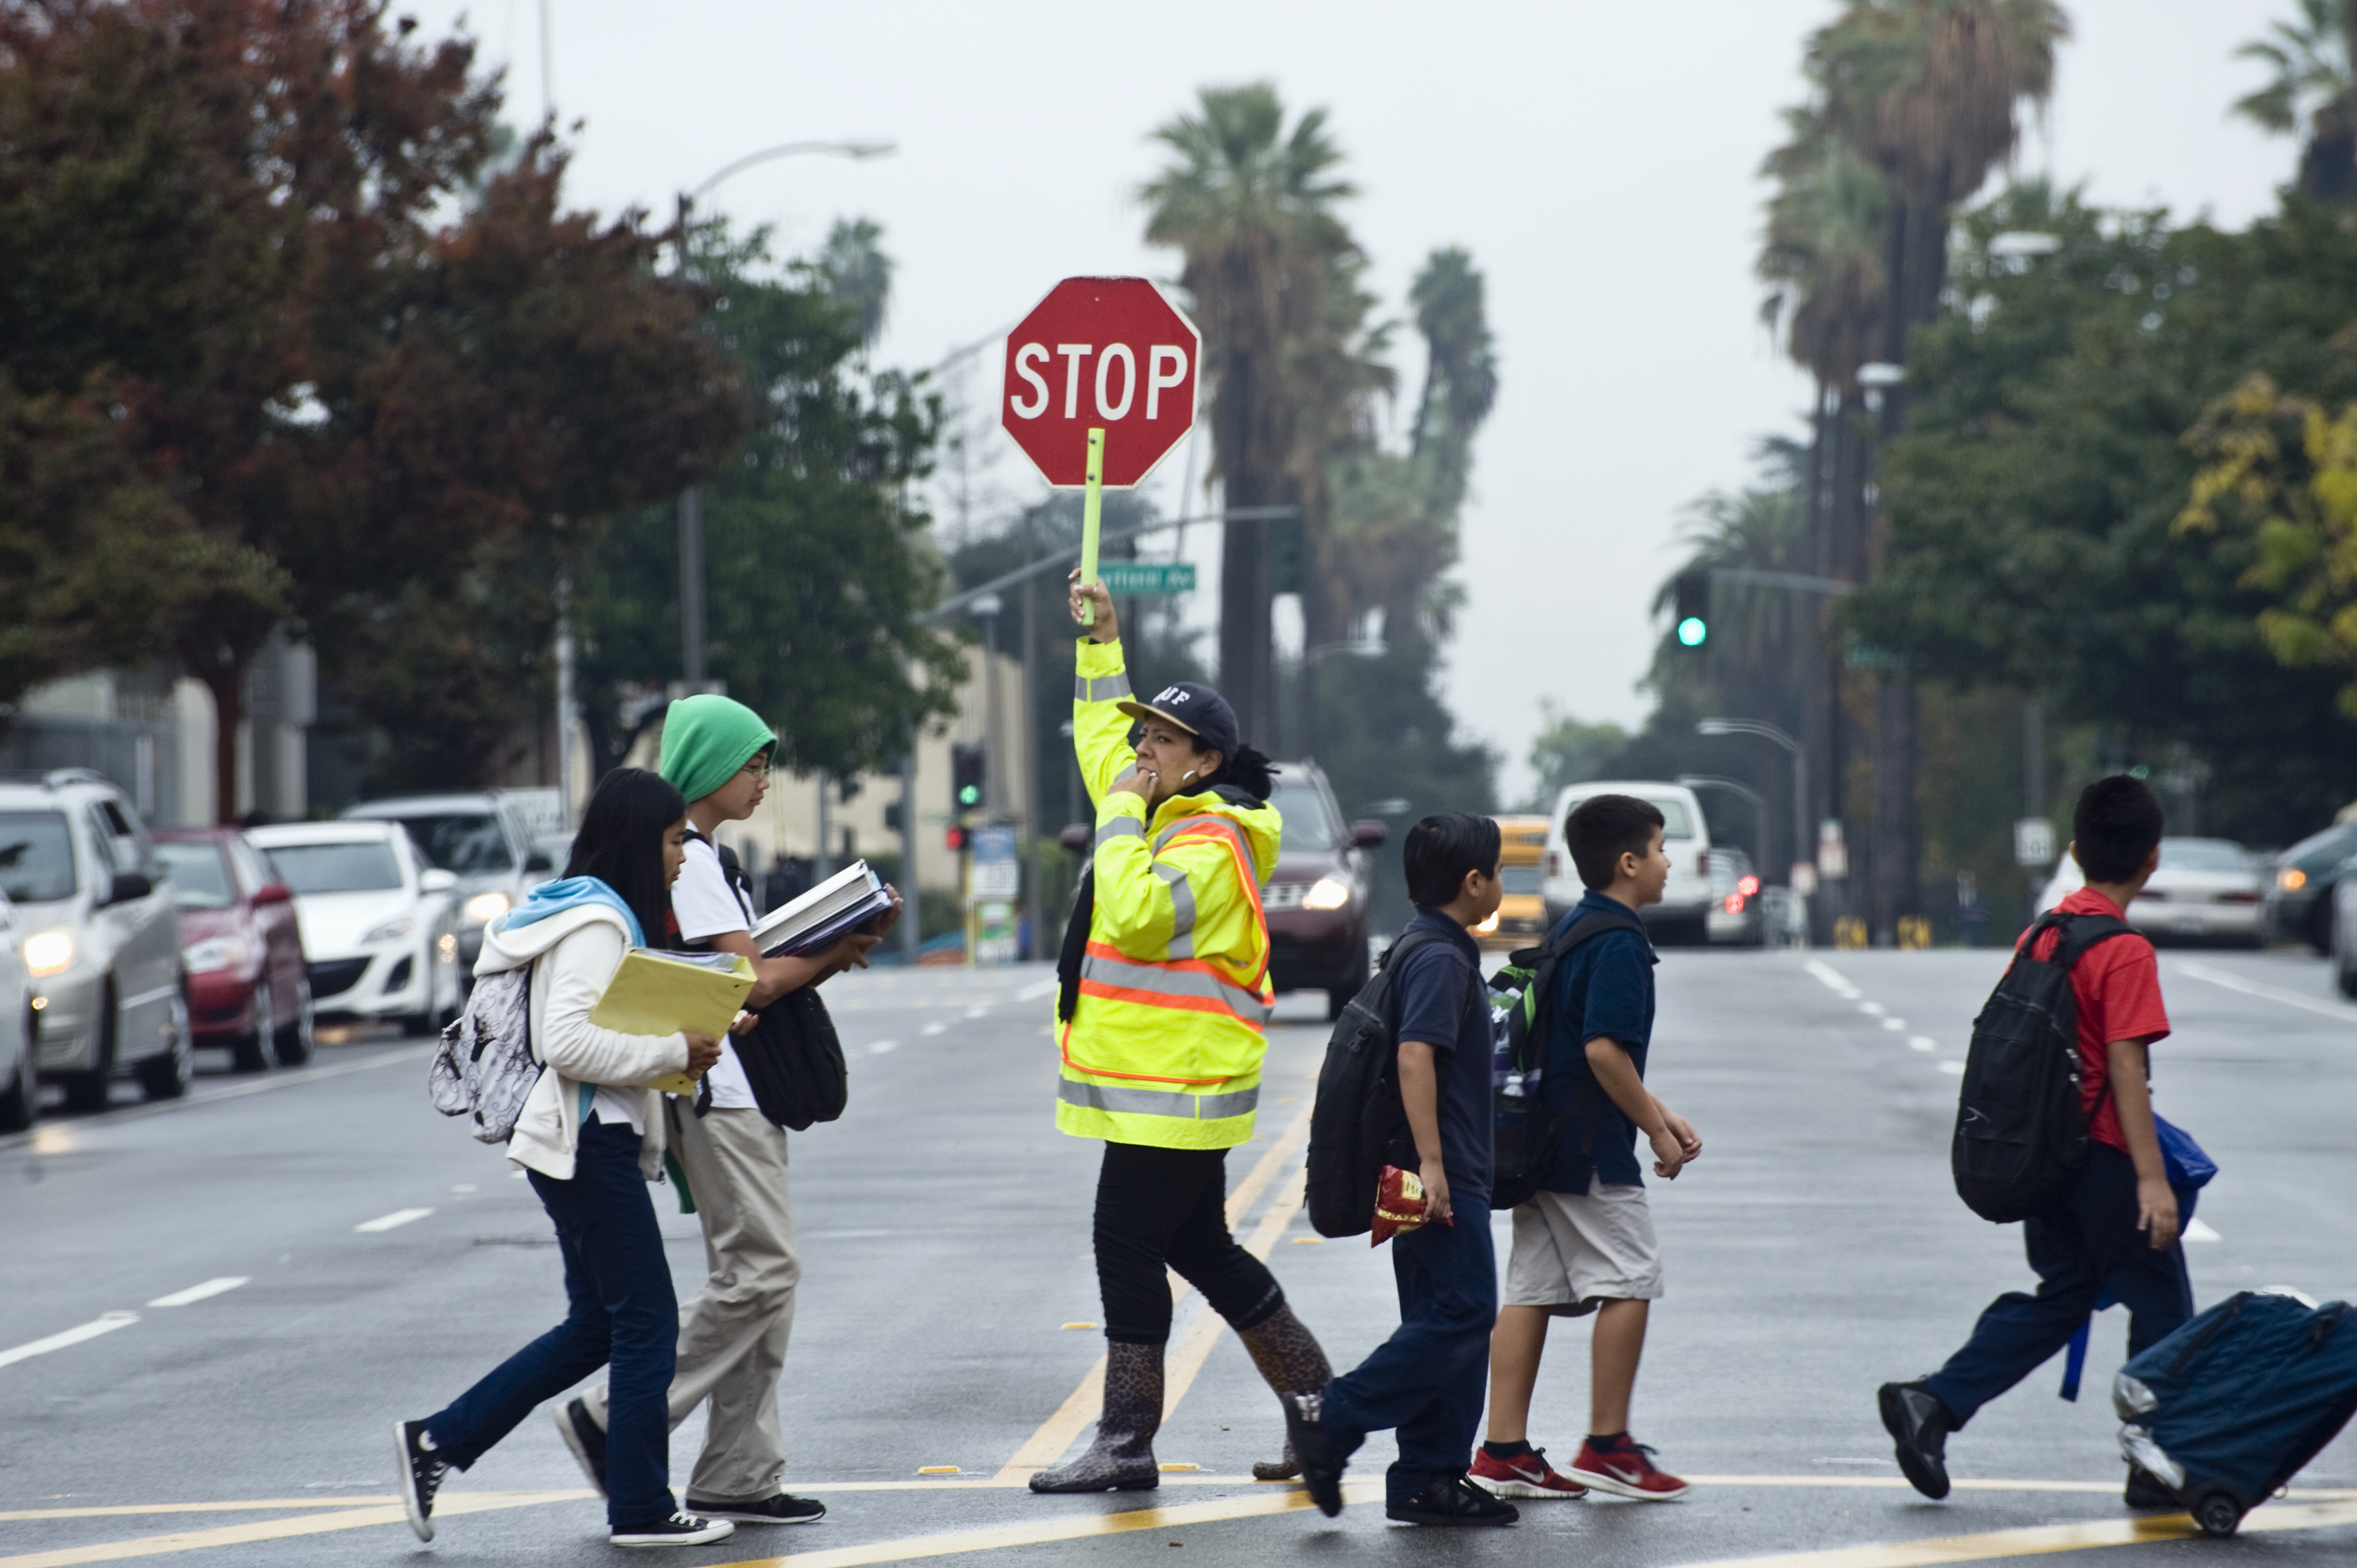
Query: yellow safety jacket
(1164, 1046)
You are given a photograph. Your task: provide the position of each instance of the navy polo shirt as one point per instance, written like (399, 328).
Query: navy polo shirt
(1604, 987)
(1443, 1003)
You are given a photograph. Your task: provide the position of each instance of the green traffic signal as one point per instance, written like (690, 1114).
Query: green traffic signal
(1692, 631)
(971, 795)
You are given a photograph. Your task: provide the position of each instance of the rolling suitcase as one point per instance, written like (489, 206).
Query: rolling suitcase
(2226, 1409)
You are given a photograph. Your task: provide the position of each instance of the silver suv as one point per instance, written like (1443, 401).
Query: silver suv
(101, 938)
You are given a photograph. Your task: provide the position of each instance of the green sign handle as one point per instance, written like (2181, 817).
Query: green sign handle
(1091, 516)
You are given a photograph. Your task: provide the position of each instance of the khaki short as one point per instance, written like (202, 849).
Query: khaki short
(1573, 1253)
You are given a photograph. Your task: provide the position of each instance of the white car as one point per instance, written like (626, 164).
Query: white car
(1684, 913)
(377, 920)
(20, 1087)
(2205, 890)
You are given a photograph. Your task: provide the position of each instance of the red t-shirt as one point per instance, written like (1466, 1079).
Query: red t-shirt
(2118, 984)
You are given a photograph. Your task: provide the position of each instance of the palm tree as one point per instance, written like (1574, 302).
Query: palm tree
(1460, 374)
(1250, 208)
(856, 273)
(2311, 91)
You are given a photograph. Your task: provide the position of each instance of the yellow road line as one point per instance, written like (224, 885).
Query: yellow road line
(1195, 1346)
(2038, 1540)
(1055, 1435)
(448, 1504)
(1272, 1500)
(255, 1506)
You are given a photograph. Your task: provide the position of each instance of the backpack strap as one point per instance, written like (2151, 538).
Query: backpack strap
(1583, 1104)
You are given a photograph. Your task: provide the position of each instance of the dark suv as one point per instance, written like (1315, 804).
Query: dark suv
(1317, 897)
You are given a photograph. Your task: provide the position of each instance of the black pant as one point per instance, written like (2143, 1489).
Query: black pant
(622, 1317)
(1168, 1207)
(2085, 1248)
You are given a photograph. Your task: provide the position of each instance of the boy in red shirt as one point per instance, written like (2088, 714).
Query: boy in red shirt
(2115, 1234)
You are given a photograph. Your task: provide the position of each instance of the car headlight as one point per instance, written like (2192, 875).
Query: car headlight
(214, 953)
(1328, 893)
(2291, 879)
(391, 930)
(484, 908)
(1488, 925)
(48, 953)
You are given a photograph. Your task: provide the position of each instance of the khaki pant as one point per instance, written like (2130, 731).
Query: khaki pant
(732, 1335)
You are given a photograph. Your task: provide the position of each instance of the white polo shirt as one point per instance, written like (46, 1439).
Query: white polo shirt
(707, 907)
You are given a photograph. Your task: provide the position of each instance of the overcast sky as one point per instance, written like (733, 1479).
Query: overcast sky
(1597, 158)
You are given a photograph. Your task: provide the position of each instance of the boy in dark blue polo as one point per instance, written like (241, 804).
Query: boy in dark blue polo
(1426, 1381)
(1585, 1241)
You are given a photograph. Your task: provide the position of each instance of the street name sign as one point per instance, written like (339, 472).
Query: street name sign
(2033, 842)
(1142, 577)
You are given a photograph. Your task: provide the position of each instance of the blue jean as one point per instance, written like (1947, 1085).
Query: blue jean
(1428, 1381)
(2084, 1248)
(622, 1313)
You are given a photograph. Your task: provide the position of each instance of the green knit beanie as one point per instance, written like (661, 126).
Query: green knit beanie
(705, 739)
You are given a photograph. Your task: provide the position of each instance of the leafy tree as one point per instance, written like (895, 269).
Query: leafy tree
(857, 274)
(1570, 751)
(816, 569)
(1250, 208)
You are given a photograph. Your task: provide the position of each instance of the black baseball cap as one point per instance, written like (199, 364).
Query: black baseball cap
(1199, 711)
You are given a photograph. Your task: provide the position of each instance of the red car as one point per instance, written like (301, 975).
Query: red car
(239, 943)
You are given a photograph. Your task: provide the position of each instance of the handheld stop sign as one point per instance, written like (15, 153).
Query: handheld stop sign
(1101, 380)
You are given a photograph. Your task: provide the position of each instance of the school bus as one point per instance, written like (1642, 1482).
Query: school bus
(1520, 920)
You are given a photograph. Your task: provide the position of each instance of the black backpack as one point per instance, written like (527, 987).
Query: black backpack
(1524, 1137)
(1357, 1124)
(793, 1058)
(2021, 1134)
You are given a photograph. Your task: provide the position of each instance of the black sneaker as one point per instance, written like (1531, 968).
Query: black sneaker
(779, 1509)
(421, 1474)
(1453, 1499)
(1321, 1457)
(679, 1530)
(2147, 1490)
(1919, 1426)
(585, 1438)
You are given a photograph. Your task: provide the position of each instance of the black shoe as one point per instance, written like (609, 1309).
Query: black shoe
(779, 1509)
(1453, 1500)
(1919, 1424)
(2144, 1490)
(1321, 1457)
(421, 1474)
(679, 1530)
(585, 1438)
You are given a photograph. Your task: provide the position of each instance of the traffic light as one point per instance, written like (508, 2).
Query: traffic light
(1288, 555)
(968, 759)
(892, 816)
(955, 837)
(1692, 624)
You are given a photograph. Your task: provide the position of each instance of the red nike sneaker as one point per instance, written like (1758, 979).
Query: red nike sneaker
(1625, 1471)
(1524, 1475)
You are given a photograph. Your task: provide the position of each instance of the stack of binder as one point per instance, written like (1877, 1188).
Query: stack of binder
(843, 903)
(656, 992)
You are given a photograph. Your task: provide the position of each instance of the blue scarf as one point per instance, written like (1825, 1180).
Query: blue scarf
(572, 893)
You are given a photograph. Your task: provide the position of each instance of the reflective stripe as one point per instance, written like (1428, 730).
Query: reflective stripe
(1159, 986)
(1157, 1103)
(1119, 828)
(1230, 830)
(1100, 688)
(1182, 910)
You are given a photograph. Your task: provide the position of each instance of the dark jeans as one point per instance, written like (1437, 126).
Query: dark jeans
(1428, 1379)
(2086, 1248)
(1159, 1208)
(622, 1315)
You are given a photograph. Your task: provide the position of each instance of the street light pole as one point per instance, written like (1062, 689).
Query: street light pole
(1770, 733)
(691, 500)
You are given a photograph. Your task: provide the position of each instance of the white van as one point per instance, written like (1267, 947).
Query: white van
(1685, 909)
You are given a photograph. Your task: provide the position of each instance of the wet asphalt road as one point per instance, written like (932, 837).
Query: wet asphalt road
(1814, 1251)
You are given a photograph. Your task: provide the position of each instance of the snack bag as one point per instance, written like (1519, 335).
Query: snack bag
(1399, 1204)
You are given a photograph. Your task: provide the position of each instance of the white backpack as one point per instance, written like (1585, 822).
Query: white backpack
(485, 1068)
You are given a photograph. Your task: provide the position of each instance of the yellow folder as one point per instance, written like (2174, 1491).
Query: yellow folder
(651, 994)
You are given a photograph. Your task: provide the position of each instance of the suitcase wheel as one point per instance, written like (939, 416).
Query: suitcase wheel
(2217, 1513)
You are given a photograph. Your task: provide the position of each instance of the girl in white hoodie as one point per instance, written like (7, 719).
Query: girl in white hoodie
(590, 1138)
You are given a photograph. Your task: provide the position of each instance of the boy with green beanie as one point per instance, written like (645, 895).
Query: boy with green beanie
(732, 1336)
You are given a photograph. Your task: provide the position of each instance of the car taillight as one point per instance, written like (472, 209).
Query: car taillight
(1749, 886)
(1555, 863)
(1702, 862)
(1734, 904)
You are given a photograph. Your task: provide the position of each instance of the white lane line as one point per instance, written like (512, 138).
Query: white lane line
(2273, 994)
(1037, 990)
(1954, 1069)
(1872, 1009)
(880, 1046)
(1923, 1043)
(2200, 1230)
(1833, 978)
(933, 1029)
(198, 1293)
(105, 1324)
(1896, 1025)
(977, 1012)
(387, 1221)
